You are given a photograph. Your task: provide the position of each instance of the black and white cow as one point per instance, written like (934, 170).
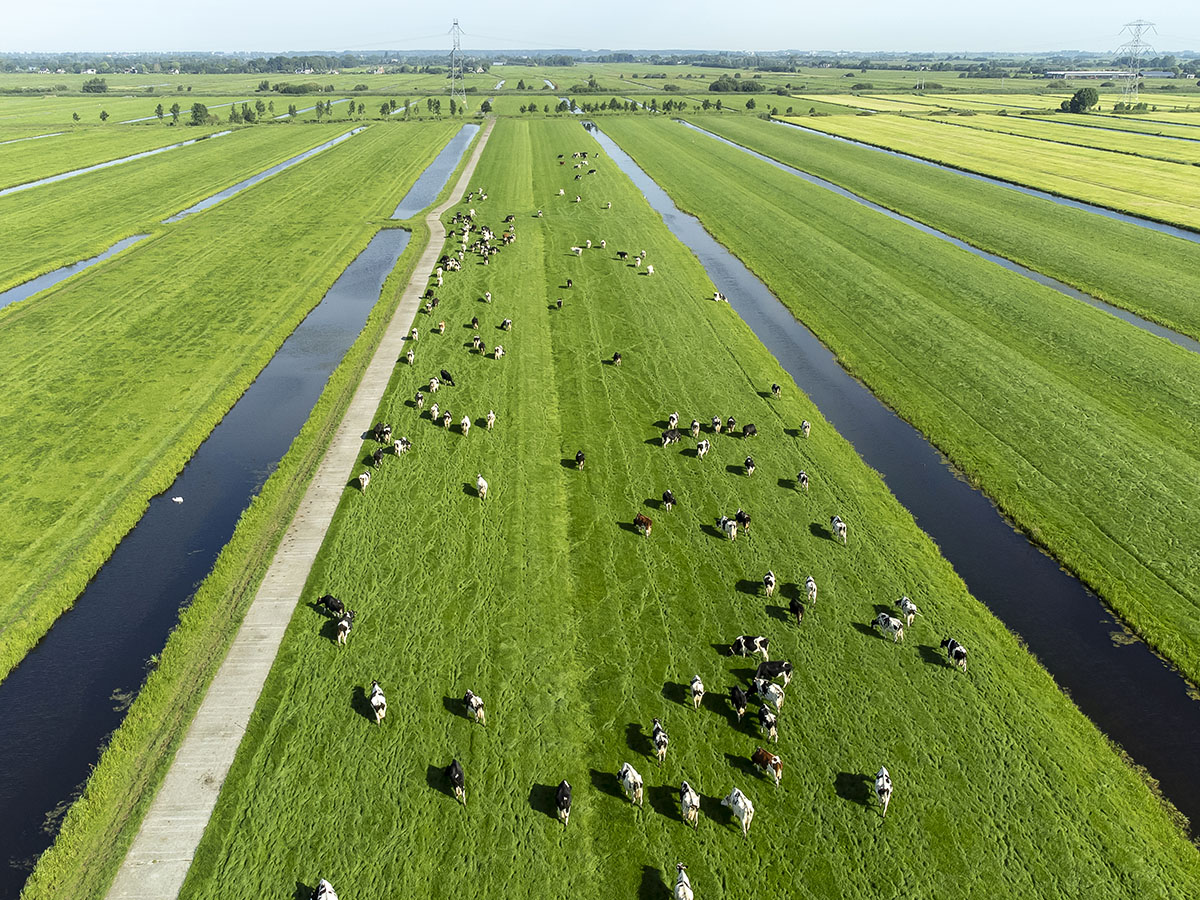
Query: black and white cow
(378, 702)
(742, 808)
(702, 449)
(324, 891)
(775, 668)
(683, 885)
(749, 430)
(749, 465)
(668, 500)
(344, 624)
(658, 737)
(775, 391)
(562, 802)
(743, 518)
(883, 788)
(728, 527)
(617, 358)
(716, 424)
(889, 625)
(580, 459)
(695, 428)
(730, 424)
(333, 605)
(671, 436)
(768, 722)
(738, 698)
(769, 583)
(364, 479)
(810, 588)
(769, 692)
(797, 609)
(689, 805)
(839, 528)
(420, 399)
(955, 652)
(908, 609)
(802, 479)
(697, 687)
(377, 457)
(805, 427)
(474, 704)
(673, 420)
(454, 772)
(631, 783)
(745, 645)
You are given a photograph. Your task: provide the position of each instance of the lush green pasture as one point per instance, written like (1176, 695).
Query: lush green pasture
(1151, 273)
(144, 355)
(1119, 122)
(1145, 187)
(82, 147)
(58, 111)
(577, 631)
(989, 99)
(61, 223)
(873, 104)
(1081, 426)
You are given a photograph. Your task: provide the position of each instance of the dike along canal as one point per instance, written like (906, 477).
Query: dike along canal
(1131, 694)
(60, 704)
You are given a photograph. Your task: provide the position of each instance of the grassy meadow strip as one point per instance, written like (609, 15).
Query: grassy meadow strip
(61, 223)
(62, 110)
(1079, 425)
(1118, 122)
(576, 630)
(1156, 190)
(874, 104)
(146, 353)
(1147, 272)
(82, 147)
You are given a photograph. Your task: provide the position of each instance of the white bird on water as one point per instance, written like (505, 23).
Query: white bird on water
(176, 499)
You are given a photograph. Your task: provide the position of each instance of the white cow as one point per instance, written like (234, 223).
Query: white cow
(481, 486)
(363, 480)
(649, 270)
(889, 625)
(324, 891)
(702, 449)
(433, 413)
(465, 425)
(491, 419)
(683, 886)
(378, 702)
(697, 691)
(743, 809)
(769, 583)
(810, 586)
(806, 427)
(883, 788)
(728, 526)
(839, 528)
(410, 356)
(631, 783)
(770, 692)
(908, 609)
(689, 805)
(475, 707)
(499, 351)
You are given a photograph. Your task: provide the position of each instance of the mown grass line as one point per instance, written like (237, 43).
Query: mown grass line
(1029, 392)
(1145, 271)
(146, 355)
(62, 223)
(1155, 190)
(576, 631)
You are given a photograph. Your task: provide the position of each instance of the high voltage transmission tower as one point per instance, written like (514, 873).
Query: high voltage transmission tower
(457, 89)
(1133, 50)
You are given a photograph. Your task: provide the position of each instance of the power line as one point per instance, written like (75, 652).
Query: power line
(457, 89)
(1134, 49)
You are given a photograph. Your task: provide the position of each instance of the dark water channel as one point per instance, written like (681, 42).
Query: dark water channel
(1125, 315)
(1174, 231)
(42, 282)
(426, 188)
(1129, 692)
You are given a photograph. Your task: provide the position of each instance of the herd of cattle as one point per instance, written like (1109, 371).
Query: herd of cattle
(764, 684)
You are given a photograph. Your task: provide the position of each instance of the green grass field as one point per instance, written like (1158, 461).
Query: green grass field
(1072, 420)
(1146, 271)
(1145, 187)
(1124, 123)
(143, 355)
(577, 631)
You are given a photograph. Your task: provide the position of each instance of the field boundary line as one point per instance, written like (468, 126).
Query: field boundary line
(161, 854)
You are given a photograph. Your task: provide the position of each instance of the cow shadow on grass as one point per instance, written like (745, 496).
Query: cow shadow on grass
(653, 442)
(629, 526)
(793, 432)
(690, 452)
(637, 740)
(712, 808)
(543, 799)
(567, 463)
(652, 503)
(303, 891)
(816, 529)
(360, 703)
(607, 783)
(742, 764)
(864, 628)
(436, 778)
(663, 799)
(714, 531)
(674, 692)
(788, 484)
(470, 490)
(329, 632)
(722, 649)
(933, 656)
(652, 886)
(748, 586)
(456, 707)
(735, 470)
(721, 705)
(744, 676)
(780, 614)
(854, 787)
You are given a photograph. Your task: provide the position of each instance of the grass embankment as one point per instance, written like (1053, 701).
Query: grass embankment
(1150, 273)
(1080, 426)
(1118, 122)
(141, 357)
(1157, 190)
(83, 147)
(59, 224)
(577, 631)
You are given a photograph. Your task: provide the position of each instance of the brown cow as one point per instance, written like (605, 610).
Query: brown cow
(768, 762)
(643, 524)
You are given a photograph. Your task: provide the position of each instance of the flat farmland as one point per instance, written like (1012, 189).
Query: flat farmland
(1150, 273)
(1067, 417)
(147, 352)
(576, 631)
(860, 102)
(58, 224)
(1125, 123)
(1145, 187)
(59, 111)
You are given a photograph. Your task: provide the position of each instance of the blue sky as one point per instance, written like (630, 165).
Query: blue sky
(275, 26)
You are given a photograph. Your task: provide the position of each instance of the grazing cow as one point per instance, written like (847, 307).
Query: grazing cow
(683, 886)
(363, 480)
(955, 652)
(695, 428)
(741, 516)
(617, 358)
(776, 391)
(745, 645)
(839, 528)
(561, 192)
(487, 296)
(580, 459)
(637, 261)
(769, 692)
(410, 356)
(659, 738)
(631, 783)
(743, 809)
(382, 432)
(673, 420)
(805, 427)
(769, 723)
(465, 425)
(608, 205)
(334, 606)
(562, 802)
(475, 323)
(739, 699)
(345, 623)
(442, 327)
(689, 805)
(702, 449)
(378, 702)
(481, 487)
(749, 465)
(589, 244)
(768, 762)
(883, 788)
(377, 457)
(622, 255)
(643, 524)
(671, 436)
(475, 707)
(668, 500)
(477, 343)
(433, 413)
(491, 419)
(775, 668)
(810, 588)
(697, 691)
(499, 351)
(769, 583)
(446, 377)
(728, 527)
(420, 399)
(457, 781)
(802, 479)
(434, 384)
(324, 891)
(797, 609)
(603, 244)
(649, 270)
(570, 283)
(716, 424)
(749, 430)
(578, 251)
(558, 303)
(506, 325)
(908, 609)
(730, 424)
(402, 445)
(447, 419)
(889, 625)
(414, 336)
